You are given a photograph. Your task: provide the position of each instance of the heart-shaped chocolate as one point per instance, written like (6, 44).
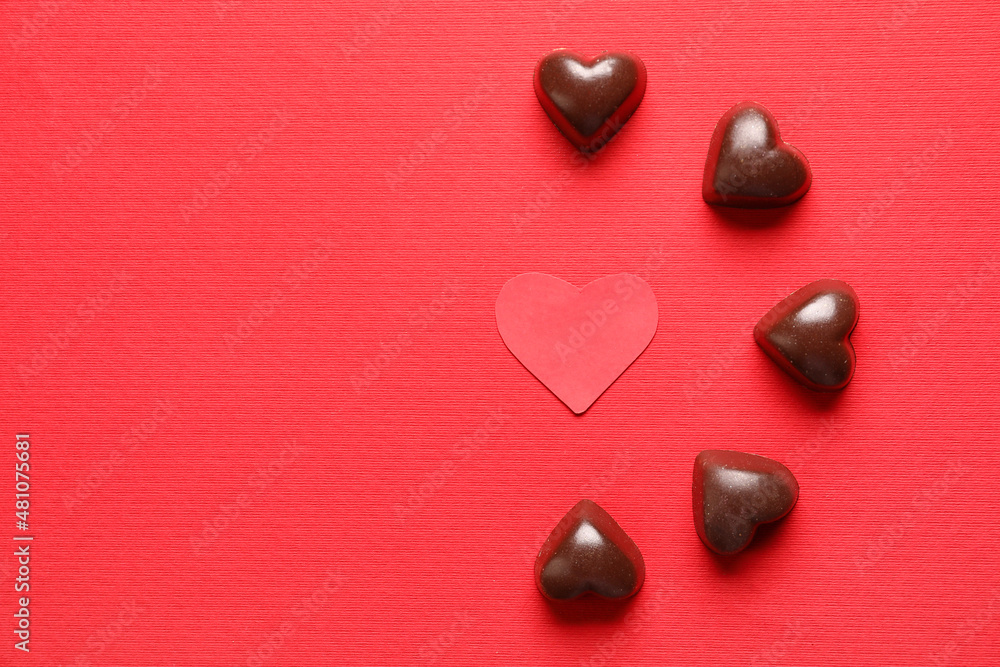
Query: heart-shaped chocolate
(808, 334)
(589, 99)
(749, 166)
(588, 552)
(733, 493)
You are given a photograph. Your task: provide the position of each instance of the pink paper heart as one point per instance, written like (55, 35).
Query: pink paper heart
(576, 341)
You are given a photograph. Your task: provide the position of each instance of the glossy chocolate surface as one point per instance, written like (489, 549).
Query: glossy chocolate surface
(734, 492)
(808, 334)
(589, 99)
(749, 166)
(589, 552)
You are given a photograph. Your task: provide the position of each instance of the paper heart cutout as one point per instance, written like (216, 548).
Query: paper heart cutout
(808, 334)
(734, 492)
(576, 341)
(589, 99)
(749, 166)
(588, 552)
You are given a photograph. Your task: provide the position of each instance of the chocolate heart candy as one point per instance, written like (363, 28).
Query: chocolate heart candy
(589, 552)
(733, 493)
(749, 166)
(589, 99)
(808, 334)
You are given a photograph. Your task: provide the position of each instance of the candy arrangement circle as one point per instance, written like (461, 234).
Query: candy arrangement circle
(578, 341)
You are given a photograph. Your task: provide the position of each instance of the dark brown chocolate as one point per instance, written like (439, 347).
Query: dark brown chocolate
(733, 493)
(749, 166)
(588, 552)
(589, 99)
(808, 334)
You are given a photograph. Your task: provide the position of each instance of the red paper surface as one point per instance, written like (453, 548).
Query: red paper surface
(252, 252)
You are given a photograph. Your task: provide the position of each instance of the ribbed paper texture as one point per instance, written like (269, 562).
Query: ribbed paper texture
(251, 256)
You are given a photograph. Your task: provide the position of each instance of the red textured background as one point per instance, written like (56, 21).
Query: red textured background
(415, 465)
